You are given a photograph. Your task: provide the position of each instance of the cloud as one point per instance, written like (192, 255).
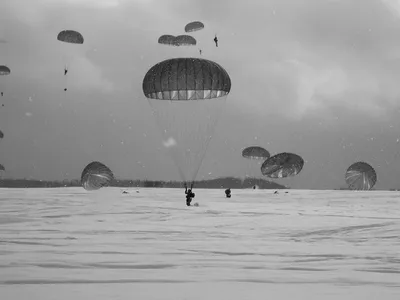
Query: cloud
(393, 6)
(310, 57)
(94, 3)
(85, 75)
(293, 59)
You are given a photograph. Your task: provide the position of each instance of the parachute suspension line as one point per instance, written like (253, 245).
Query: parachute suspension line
(186, 102)
(187, 141)
(210, 131)
(160, 125)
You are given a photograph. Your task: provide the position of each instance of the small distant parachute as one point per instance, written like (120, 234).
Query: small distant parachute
(255, 152)
(167, 39)
(1, 134)
(4, 70)
(360, 176)
(185, 40)
(282, 165)
(95, 176)
(70, 36)
(194, 26)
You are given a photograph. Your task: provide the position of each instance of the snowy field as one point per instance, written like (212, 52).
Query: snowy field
(69, 244)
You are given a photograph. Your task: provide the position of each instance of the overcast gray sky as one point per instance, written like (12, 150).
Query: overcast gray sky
(319, 78)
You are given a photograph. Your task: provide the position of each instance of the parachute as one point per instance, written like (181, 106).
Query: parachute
(282, 165)
(4, 70)
(70, 36)
(254, 154)
(360, 176)
(187, 96)
(167, 39)
(194, 26)
(185, 40)
(95, 176)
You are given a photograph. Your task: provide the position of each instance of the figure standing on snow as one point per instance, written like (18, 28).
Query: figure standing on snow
(189, 194)
(228, 193)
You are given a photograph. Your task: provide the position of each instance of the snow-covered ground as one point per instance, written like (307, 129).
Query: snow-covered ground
(71, 244)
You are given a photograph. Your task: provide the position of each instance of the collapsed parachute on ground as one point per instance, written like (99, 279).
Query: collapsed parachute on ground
(194, 26)
(185, 40)
(95, 176)
(282, 165)
(360, 176)
(1, 134)
(255, 152)
(167, 39)
(196, 91)
(4, 70)
(70, 36)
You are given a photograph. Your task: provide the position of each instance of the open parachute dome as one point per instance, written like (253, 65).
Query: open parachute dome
(282, 165)
(167, 39)
(360, 176)
(187, 96)
(255, 156)
(194, 26)
(185, 40)
(186, 79)
(4, 70)
(255, 152)
(70, 36)
(95, 176)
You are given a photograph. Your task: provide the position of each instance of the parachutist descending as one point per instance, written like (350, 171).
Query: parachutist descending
(200, 51)
(228, 193)
(183, 84)
(189, 194)
(2, 94)
(216, 41)
(65, 89)
(65, 71)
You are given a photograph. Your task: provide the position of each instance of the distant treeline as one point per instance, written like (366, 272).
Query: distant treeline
(224, 182)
